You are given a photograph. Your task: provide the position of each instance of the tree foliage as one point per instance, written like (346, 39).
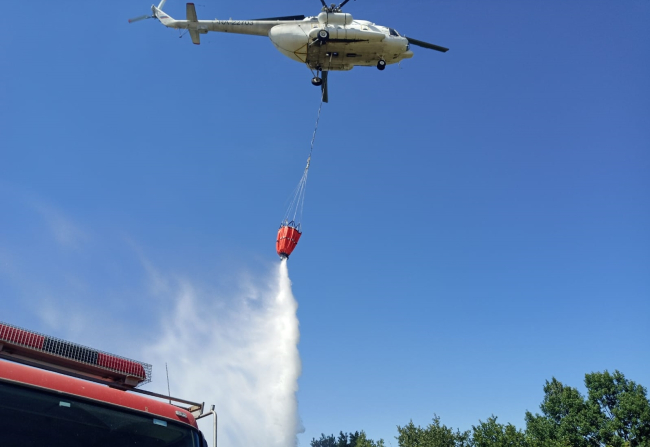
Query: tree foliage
(491, 433)
(363, 441)
(434, 435)
(624, 412)
(615, 413)
(356, 439)
(566, 418)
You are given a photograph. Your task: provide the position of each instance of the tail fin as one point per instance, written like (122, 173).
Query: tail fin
(161, 15)
(191, 24)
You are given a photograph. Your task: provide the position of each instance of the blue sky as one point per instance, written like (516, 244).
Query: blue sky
(476, 222)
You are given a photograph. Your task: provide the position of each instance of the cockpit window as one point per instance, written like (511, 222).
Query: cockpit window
(393, 32)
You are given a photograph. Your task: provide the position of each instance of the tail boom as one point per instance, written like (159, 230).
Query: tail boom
(197, 27)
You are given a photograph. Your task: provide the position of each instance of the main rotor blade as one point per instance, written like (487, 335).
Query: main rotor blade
(137, 19)
(276, 19)
(323, 2)
(343, 4)
(431, 46)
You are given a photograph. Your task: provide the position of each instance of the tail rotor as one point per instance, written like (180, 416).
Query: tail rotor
(153, 10)
(137, 19)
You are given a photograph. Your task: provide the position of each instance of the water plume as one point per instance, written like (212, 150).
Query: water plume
(240, 354)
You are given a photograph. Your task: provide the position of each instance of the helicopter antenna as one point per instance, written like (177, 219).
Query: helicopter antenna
(167, 370)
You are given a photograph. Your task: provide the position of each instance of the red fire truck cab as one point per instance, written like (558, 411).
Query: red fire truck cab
(41, 403)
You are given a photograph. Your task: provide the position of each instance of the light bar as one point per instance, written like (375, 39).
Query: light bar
(20, 344)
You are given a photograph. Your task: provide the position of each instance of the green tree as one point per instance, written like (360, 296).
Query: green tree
(624, 411)
(344, 440)
(493, 434)
(324, 441)
(353, 439)
(363, 441)
(434, 435)
(616, 413)
(566, 419)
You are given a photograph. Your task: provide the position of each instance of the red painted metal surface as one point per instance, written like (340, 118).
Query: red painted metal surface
(21, 374)
(288, 238)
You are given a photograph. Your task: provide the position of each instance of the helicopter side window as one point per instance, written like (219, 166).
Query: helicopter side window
(393, 32)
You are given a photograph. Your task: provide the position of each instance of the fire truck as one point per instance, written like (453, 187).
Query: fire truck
(56, 393)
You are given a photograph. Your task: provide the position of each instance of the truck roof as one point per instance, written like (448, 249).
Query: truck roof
(49, 381)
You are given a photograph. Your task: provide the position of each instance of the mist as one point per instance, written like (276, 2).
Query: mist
(239, 353)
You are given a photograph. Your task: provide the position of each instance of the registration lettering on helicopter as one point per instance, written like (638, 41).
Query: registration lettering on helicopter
(234, 22)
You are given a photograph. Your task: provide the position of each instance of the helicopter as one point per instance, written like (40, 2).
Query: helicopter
(331, 41)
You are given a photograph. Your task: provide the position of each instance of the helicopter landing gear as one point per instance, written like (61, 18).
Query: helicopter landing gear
(381, 64)
(323, 35)
(316, 81)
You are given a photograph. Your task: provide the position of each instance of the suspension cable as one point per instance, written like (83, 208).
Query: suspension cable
(313, 138)
(298, 201)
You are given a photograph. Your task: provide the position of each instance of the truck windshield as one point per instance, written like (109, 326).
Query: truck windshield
(29, 416)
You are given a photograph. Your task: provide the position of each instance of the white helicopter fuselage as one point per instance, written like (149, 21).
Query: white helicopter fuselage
(359, 43)
(327, 42)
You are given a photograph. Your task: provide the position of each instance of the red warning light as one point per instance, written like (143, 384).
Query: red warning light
(27, 346)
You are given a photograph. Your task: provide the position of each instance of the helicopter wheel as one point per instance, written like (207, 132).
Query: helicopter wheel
(381, 64)
(316, 81)
(323, 35)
